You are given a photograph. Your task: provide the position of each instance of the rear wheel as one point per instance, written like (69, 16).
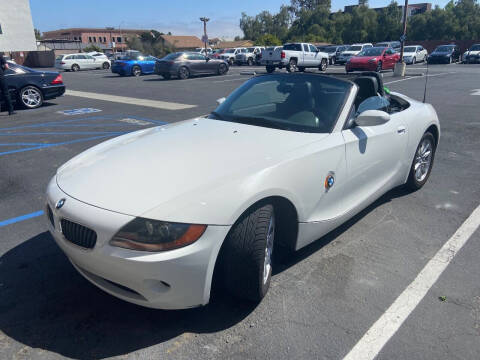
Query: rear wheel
(75, 67)
(323, 65)
(414, 60)
(105, 66)
(183, 73)
(292, 65)
(270, 69)
(423, 162)
(246, 256)
(136, 71)
(31, 97)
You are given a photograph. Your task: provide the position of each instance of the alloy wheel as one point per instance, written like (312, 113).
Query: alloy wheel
(267, 264)
(31, 97)
(423, 159)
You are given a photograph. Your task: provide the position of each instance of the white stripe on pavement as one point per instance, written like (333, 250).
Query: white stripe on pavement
(130, 100)
(387, 325)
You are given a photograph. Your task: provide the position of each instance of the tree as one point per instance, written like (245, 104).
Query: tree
(38, 34)
(268, 40)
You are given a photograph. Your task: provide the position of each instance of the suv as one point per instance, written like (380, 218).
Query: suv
(229, 54)
(295, 56)
(333, 52)
(106, 63)
(250, 56)
(352, 50)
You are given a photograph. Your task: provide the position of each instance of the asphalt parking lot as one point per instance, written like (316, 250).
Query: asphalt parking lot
(321, 302)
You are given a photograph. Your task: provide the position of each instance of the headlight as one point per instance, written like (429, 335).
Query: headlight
(153, 235)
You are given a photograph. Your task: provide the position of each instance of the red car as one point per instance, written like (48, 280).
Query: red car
(373, 59)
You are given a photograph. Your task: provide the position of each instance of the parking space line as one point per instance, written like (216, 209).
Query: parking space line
(416, 77)
(21, 218)
(370, 345)
(130, 100)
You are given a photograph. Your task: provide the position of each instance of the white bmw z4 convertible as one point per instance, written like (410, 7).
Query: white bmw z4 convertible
(151, 216)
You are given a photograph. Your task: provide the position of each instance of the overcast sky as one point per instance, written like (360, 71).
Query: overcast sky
(178, 16)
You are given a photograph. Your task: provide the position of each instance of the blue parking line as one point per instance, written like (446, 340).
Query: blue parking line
(22, 144)
(20, 218)
(53, 123)
(52, 145)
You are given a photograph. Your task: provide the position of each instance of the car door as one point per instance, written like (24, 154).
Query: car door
(307, 56)
(373, 154)
(149, 64)
(316, 56)
(90, 62)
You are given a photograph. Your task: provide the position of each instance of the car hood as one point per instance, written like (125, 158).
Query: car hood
(172, 166)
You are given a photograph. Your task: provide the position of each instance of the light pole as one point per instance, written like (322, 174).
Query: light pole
(205, 38)
(404, 35)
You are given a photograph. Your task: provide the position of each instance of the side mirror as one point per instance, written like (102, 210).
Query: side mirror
(372, 118)
(221, 100)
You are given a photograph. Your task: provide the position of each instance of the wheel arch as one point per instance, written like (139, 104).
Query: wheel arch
(435, 132)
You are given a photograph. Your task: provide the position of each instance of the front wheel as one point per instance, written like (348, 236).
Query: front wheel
(183, 73)
(246, 256)
(31, 97)
(75, 67)
(333, 60)
(414, 60)
(422, 163)
(270, 69)
(136, 71)
(323, 65)
(105, 66)
(222, 69)
(250, 62)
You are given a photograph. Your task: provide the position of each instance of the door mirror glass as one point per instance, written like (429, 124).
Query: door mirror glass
(372, 118)
(221, 100)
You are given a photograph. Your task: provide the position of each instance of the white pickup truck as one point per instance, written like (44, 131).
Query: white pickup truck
(295, 56)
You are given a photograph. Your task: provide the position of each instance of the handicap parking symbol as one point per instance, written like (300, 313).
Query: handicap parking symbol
(78, 111)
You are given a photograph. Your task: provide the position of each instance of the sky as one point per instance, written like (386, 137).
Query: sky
(181, 17)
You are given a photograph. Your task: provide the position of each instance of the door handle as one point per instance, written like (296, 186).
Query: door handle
(401, 130)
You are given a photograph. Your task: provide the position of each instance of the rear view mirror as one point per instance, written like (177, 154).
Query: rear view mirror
(221, 100)
(372, 118)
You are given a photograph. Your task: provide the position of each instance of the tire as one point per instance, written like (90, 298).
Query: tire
(270, 69)
(414, 60)
(31, 97)
(292, 65)
(246, 255)
(379, 67)
(222, 69)
(418, 175)
(136, 71)
(323, 65)
(250, 62)
(75, 67)
(167, 76)
(183, 73)
(105, 66)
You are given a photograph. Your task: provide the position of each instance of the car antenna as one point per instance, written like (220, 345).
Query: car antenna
(426, 80)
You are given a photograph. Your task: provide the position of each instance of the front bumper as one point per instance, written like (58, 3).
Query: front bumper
(176, 279)
(279, 63)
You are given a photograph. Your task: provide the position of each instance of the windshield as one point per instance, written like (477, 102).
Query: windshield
(410, 49)
(172, 56)
(298, 102)
(444, 48)
(294, 47)
(371, 52)
(330, 49)
(354, 48)
(475, 48)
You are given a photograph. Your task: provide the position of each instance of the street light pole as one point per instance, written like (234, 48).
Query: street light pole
(205, 38)
(404, 36)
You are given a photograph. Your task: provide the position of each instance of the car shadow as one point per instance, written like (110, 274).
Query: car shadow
(46, 304)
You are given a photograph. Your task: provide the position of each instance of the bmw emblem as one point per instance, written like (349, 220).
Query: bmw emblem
(60, 203)
(329, 180)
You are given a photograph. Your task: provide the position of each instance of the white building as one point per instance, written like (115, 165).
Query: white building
(16, 26)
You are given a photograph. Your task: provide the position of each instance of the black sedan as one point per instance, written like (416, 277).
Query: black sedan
(444, 54)
(30, 88)
(186, 64)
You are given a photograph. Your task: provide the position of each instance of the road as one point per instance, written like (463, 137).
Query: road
(321, 303)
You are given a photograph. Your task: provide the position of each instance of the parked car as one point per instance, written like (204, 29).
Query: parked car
(445, 54)
(414, 53)
(202, 50)
(472, 55)
(77, 62)
(249, 56)
(30, 88)
(186, 64)
(373, 59)
(101, 57)
(215, 54)
(229, 55)
(333, 51)
(135, 64)
(295, 56)
(352, 50)
(284, 160)
(395, 45)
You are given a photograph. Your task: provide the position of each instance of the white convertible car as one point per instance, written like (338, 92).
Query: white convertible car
(152, 216)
